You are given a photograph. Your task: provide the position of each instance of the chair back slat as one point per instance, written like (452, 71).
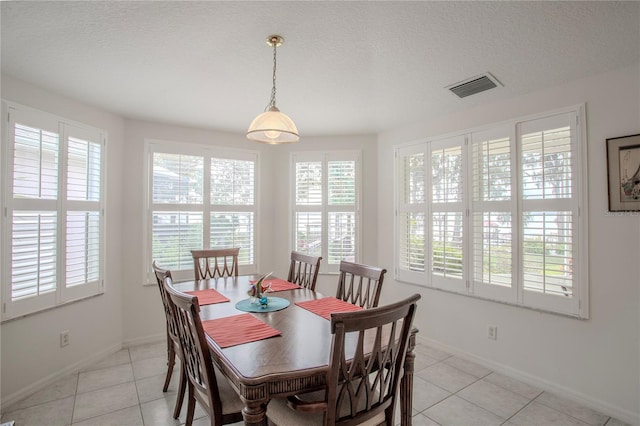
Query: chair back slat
(360, 284)
(303, 270)
(197, 358)
(364, 382)
(172, 327)
(214, 263)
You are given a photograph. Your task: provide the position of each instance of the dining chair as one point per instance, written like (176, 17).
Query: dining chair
(362, 382)
(360, 284)
(214, 263)
(303, 270)
(173, 341)
(206, 385)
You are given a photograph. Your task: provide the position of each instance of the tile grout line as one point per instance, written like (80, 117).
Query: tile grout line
(523, 407)
(553, 408)
(75, 398)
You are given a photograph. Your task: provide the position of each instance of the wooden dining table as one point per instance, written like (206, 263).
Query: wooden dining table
(292, 363)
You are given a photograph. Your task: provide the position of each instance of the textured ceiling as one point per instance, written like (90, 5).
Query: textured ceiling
(345, 68)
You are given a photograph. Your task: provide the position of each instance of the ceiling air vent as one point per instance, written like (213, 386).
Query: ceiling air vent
(474, 85)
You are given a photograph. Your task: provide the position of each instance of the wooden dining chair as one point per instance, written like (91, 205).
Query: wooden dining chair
(214, 263)
(363, 379)
(173, 341)
(360, 284)
(206, 385)
(303, 270)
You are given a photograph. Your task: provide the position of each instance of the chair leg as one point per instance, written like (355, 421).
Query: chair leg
(180, 398)
(171, 361)
(191, 406)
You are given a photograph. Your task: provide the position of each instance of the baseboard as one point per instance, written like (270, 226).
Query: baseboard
(546, 385)
(9, 400)
(144, 340)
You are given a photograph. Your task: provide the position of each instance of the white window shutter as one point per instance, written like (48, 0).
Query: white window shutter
(234, 229)
(326, 206)
(503, 207)
(82, 247)
(232, 182)
(342, 237)
(177, 178)
(33, 253)
(341, 183)
(308, 183)
(493, 206)
(448, 229)
(308, 233)
(54, 204)
(200, 201)
(550, 212)
(411, 232)
(411, 184)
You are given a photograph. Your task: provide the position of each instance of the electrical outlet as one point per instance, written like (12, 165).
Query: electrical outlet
(64, 338)
(492, 332)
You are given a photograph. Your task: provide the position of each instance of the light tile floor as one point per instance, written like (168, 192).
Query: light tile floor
(126, 389)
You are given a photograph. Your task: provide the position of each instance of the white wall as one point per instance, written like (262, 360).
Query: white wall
(593, 361)
(30, 346)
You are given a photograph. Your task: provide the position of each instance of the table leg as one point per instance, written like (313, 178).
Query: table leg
(406, 384)
(255, 414)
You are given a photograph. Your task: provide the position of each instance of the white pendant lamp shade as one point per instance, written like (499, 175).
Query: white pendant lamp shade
(273, 127)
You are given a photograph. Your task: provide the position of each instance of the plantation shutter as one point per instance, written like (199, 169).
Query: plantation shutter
(200, 198)
(341, 193)
(233, 199)
(84, 220)
(308, 233)
(493, 206)
(35, 218)
(308, 205)
(549, 211)
(54, 212)
(448, 221)
(411, 213)
(309, 183)
(325, 210)
(177, 201)
(503, 213)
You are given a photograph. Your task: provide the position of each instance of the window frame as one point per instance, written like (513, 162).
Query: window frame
(208, 153)
(577, 305)
(63, 293)
(324, 157)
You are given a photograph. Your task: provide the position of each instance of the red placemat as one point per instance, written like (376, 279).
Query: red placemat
(238, 329)
(208, 297)
(278, 284)
(324, 307)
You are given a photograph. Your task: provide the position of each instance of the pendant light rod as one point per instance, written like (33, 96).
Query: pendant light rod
(272, 126)
(274, 41)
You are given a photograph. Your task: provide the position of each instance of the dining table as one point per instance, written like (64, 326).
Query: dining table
(292, 362)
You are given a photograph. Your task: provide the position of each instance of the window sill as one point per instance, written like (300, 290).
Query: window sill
(39, 311)
(486, 299)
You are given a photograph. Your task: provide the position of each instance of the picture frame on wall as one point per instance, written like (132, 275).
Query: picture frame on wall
(623, 173)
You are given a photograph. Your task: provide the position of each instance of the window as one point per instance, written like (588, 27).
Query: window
(200, 198)
(53, 223)
(326, 206)
(496, 213)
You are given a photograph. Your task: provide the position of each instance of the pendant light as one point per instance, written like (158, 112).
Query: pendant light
(272, 126)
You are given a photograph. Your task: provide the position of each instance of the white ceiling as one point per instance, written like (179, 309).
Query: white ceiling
(345, 68)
